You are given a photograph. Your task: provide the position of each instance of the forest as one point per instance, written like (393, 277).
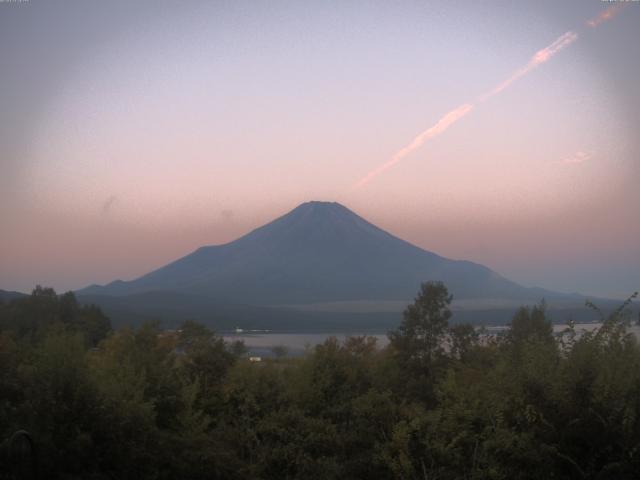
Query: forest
(441, 401)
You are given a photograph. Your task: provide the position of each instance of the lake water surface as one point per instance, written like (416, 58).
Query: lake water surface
(261, 343)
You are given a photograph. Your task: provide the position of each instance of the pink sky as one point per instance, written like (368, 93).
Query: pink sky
(505, 137)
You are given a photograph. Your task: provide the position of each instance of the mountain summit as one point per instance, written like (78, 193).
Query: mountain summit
(317, 253)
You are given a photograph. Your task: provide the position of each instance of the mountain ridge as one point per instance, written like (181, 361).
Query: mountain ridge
(8, 295)
(318, 252)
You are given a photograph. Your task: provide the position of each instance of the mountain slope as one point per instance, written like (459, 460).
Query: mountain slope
(318, 252)
(6, 295)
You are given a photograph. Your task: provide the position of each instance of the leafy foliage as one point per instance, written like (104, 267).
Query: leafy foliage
(441, 401)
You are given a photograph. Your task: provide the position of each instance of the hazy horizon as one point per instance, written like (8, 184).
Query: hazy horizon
(495, 132)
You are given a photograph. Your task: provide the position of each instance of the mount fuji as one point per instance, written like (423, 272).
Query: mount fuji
(319, 258)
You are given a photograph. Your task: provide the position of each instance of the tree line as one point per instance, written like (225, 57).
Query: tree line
(441, 401)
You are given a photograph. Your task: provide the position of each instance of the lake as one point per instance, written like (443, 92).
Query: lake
(261, 342)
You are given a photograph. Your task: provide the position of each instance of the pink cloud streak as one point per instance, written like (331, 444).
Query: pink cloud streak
(441, 125)
(453, 116)
(577, 158)
(540, 57)
(605, 15)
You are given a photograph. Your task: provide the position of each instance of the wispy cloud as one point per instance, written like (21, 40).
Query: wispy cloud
(108, 205)
(227, 214)
(578, 157)
(440, 126)
(605, 15)
(540, 57)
